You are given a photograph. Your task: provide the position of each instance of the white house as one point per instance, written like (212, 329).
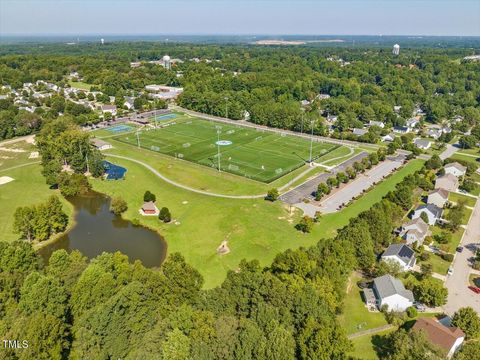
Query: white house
(388, 137)
(411, 123)
(401, 254)
(401, 129)
(434, 133)
(423, 144)
(438, 197)
(376, 123)
(445, 337)
(112, 109)
(359, 132)
(390, 291)
(100, 144)
(455, 169)
(414, 231)
(433, 212)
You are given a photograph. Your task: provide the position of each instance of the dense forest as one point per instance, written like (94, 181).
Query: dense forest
(266, 84)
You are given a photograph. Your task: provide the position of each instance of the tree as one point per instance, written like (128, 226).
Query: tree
(176, 346)
(322, 189)
(351, 173)
(467, 141)
(412, 345)
(468, 320)
(342, 177)
(74, 184)
(434, 162)
(431, 292)
(455, 216)
(118, 205)
(272, 195)
(332, 181)
(426, 269)
(148, 196)
(24, 222)
(305, 224)
(165, 215)
(469, 185)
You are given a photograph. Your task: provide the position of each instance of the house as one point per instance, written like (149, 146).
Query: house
(445, 337)
(401, 129)
(388, 137)
(163, 92)
(149, 209)
(323, 96)
(414, 231)
(447, 129)
(305, 103)
(129, 102)
(433, 212)
(438, 197)
(448, 182)
(455, 169)
(423, 144)
(376, 123)
(434, 133)
(412, 122)
(390, 292)
(401, 254)
(112, 109)
(332, 118)
(100, 144)
(359, 132)
(397, 109)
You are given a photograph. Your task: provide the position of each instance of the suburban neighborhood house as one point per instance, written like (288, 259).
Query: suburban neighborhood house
(414, 231)
(423, 144)
(112, 109)
(446, 338)
(455, 169)
(448, 182)
(101, 144)
(433, 212)
(389, 291)
(401, 254)
(438, 197)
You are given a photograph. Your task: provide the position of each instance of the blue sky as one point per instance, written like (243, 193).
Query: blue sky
(317, 17)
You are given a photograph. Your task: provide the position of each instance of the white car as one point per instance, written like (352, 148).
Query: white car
(450, 271)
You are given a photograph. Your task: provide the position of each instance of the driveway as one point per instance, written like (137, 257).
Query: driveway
(457, 284)
(449, 151)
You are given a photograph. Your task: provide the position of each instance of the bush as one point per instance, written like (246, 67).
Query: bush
(305, 225)
(412, 312)
(272, 195)
(424, 256)
(165, 215)
(447, 257)
(148, 196)
(118, 206)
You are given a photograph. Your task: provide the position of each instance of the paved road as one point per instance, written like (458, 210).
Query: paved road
(275, 130)
(174, 183)
(308, 188)
(458, 293)
(449, 151)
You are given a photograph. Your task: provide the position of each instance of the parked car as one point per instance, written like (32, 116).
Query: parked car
(460, 249)
(450, 270)
(474, 289)
(420, 307)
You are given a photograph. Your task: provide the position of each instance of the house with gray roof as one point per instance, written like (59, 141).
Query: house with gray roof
(359, 132)
(401, 254)
(438, 197)
(448, 182)
(414, 231)
(455, 169)
(423, 144)
(390, 292)
(433, 212)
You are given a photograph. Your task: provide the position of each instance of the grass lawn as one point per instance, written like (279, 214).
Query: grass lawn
(254, 228)
(28, 188)
(455, 240)
(355, 315)
(364, 346)
(80, 85)
(466, 215)
(460, 156)
(439, 265)
(259, 155)
(16, 154)
(473, 151)
(455, 197)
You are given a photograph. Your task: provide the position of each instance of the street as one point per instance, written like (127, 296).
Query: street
(459, 295)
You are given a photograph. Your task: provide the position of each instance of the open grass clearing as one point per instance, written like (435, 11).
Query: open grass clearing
(364, 347)
(468, 200)
(463, 157)
(259, 155)
(80, 85)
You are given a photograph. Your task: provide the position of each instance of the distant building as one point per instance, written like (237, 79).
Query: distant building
(455, 169)
(100, 144)
(433, 212)
(163, 92)
(149, 209)
(401, 254)
(445, 337)
(401, 129)
(396, 49)
(376, 123)
(112, 109)
(388, 137)
(423, 144)
(448, 182)
(434, 133)
(359, 132)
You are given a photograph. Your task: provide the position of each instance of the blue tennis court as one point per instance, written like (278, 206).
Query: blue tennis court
(120, 128)
(166, 117)
(113, 172)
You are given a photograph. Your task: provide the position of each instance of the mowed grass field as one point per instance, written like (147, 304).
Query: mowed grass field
(258, 155)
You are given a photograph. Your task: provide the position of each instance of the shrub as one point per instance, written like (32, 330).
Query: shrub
(305, 225)
(447, 257)
(118, 206)
(165, 215)
(412, 312)
(272, 195)
(148, 196)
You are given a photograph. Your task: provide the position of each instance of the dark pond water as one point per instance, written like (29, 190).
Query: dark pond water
(98, 230)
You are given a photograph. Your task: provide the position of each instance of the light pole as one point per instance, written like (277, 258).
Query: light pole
(226, 107)
(138, 139)
(311, 143)
(218, 149)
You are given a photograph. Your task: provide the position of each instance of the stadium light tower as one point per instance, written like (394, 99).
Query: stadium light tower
(311, 143)
(218, 149)
(138, 138)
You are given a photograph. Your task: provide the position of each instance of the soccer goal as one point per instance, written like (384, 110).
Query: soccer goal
(232, 167)
(186, 145)
(154, 148)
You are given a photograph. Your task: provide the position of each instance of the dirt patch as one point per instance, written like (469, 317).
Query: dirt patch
(12, 150)
(5, 179)
(34, 155)
(223, 248)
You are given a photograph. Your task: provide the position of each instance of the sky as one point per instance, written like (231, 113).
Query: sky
(218, 17)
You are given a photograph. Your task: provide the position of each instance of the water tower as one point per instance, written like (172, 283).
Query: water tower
(102, 41)
(396, 49)
(167, 62)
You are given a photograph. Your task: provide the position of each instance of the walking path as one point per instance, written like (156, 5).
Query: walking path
(174, 183)
(21, 165)
(370, 331)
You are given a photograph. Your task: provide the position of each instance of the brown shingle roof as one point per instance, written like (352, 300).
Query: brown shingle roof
(437, 333)
(442, 192)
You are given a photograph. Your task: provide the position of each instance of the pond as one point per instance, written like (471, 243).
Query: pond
(98, 230)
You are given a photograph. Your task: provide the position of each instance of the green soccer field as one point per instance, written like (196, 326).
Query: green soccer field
(258, 155)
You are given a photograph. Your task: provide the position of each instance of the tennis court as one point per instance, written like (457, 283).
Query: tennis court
(259, 155)
(119, 128)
